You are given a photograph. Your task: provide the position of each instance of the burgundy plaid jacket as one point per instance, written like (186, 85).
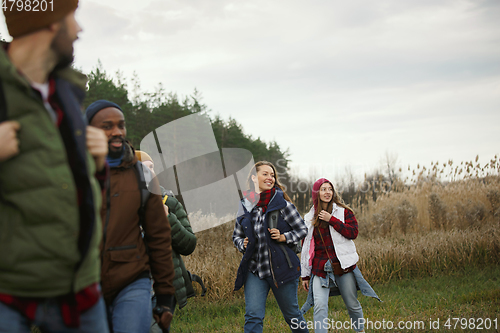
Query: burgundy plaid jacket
(349, 230)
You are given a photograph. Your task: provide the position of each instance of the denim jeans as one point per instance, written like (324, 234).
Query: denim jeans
(131, 310)
(48, 317)
(347, 287)
(256, 291)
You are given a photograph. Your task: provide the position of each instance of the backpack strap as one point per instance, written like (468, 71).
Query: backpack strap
(139, 169)
(166, 194)
(273, 219)
(196, 278)
(273, 223)
(3, 104)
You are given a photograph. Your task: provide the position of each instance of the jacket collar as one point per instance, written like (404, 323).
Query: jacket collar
(277, 202)
(129, 158)
(10, 73)
(310, 215)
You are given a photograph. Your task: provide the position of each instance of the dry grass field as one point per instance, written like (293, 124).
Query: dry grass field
(424, 232)
(427, 228)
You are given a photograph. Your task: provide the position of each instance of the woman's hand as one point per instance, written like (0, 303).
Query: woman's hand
(245, 242)
(325, 216)
(305, 285)
(165, 207)
(276, 235)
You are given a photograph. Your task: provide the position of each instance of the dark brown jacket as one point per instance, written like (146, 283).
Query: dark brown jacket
(124, 257)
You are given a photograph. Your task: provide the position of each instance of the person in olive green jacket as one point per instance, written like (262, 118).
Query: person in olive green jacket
(183, 240)
(51, 176)
(183, 243)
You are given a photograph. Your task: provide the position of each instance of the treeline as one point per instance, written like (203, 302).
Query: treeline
(146, 111)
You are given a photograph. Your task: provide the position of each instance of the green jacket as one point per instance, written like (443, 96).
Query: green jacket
(183, 243)
(49, 247)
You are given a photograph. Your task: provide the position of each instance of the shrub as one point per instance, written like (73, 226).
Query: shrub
(406, 214)
(475, 213)
(437, 212)
(493, 196)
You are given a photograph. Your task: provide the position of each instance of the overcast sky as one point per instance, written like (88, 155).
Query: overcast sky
(337, 83)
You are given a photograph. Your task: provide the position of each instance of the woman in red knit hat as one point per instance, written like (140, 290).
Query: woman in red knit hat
(329, 257)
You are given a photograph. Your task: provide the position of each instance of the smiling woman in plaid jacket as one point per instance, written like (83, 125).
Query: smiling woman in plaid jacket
(268, 260)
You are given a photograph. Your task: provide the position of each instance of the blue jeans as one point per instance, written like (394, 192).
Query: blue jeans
(131, 310)
(48, 317)
(347, 287)
(256, 291)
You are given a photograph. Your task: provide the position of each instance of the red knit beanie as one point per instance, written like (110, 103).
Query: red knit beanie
(315, 190)
(24, 21)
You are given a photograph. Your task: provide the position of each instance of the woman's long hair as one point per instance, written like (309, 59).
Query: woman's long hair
(255, 170)
(328, 206)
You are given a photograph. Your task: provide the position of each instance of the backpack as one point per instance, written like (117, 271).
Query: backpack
(143, 187)
(273, 222)
(138, 168)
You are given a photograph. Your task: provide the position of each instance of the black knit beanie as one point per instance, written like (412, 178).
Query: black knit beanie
(98, 106)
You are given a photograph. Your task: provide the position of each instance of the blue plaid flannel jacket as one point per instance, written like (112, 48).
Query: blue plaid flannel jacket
(260, 261)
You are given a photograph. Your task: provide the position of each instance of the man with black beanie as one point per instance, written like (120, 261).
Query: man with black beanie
(129, 256)
(52, 173)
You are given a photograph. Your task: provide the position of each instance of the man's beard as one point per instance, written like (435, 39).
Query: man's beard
(64, 62)
(62, 45)
(112, 152)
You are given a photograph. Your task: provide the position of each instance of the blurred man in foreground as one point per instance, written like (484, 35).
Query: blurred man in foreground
(51, 175)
